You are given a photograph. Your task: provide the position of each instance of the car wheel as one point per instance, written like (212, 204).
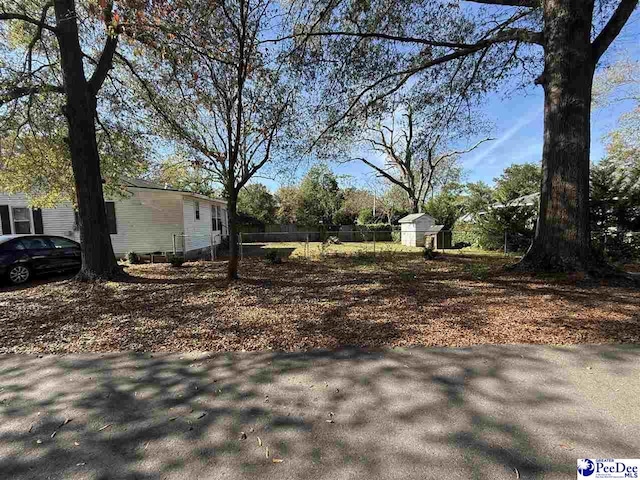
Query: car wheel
(19, 274)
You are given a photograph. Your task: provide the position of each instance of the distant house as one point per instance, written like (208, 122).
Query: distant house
(529, 200)
(149, 218)
(419, 229)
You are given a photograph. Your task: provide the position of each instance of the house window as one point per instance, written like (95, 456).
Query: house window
(197, 207)
(216, 219)
(110, 207)
(21, 220)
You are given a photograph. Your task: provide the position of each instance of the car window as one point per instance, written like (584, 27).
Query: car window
(11, 246)
(34, 243)
(62, 242)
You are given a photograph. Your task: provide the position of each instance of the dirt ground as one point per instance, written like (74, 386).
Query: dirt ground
(396, 300)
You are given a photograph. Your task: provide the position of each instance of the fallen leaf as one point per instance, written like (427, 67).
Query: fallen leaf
(54, 434)
(105, 427)
(243, 436)
(266, 453)
(259, 442)
(277, 460)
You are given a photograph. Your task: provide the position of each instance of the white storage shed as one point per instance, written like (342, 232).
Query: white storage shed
(414, 227)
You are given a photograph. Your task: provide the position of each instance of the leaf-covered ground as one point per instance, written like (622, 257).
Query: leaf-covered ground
(397, 300)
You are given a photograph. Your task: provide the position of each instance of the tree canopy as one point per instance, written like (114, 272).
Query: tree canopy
(257, 202)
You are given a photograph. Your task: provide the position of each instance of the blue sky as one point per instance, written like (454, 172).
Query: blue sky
(518, 124)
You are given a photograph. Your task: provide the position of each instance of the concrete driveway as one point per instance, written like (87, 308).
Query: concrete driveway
(488, 412)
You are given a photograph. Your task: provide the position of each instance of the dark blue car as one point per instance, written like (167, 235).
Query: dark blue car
(23, 256)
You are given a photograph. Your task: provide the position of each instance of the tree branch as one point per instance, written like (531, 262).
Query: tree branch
(27, 19)
(521, 35)
(105, 63)
(612, 28)
(460, 152)
(385, 174)
(376, 35)
(510, 3)
(38, 35)
(20, 92)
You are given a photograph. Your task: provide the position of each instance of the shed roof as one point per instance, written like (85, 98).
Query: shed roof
(413, 217)
(434, 229)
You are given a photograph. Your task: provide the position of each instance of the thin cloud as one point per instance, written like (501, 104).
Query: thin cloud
(508, 135)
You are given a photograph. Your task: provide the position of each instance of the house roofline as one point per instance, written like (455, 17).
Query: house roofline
(175, 190)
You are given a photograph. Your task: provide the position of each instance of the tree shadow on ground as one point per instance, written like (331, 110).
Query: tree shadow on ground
(483, 413)
(301, 305)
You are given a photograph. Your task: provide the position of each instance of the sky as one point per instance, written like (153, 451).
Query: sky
(518, 125)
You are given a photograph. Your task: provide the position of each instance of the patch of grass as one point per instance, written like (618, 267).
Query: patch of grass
(478, 271)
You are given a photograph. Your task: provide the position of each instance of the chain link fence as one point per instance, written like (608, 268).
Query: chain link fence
(356, 241)
(199, 245)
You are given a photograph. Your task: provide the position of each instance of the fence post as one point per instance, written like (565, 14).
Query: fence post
(505, 242)
(174, 244)
(306, 247)
(374, 243)
(240, 242)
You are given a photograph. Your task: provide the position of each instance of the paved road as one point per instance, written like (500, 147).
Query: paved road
(491, 412)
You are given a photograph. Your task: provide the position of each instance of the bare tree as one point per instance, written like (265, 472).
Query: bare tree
(215, 90)
(414, 154)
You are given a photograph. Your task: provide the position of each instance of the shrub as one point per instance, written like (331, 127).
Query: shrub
(176, 260)
(429, 253)
(382, 232)
(396, 236)
(272, 256)
(620, 247)
(133, 258)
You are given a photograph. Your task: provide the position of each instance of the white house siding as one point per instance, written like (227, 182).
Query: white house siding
(55, 221)
(198, 232)
(146, 221)
(60, 221)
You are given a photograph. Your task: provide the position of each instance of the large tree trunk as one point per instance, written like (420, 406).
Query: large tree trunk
(562, 239)
(232, 211)
(415, 204)
(98, 260)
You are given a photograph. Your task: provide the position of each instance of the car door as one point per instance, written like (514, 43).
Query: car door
(13, 252)
(41, 252)
(66, 253)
